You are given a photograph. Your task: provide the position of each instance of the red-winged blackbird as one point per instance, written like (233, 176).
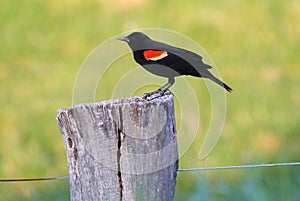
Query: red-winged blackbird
(168, 61)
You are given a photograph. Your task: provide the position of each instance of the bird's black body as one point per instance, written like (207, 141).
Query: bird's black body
(168, 61)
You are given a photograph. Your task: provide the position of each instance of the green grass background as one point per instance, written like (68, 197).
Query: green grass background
(255, 44)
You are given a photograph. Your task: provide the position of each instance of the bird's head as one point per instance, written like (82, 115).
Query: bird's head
(136, 40)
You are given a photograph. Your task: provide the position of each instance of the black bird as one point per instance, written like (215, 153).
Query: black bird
(168, 61)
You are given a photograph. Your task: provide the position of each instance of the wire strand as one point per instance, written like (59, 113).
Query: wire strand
(34, 179)
(179, 170)
(239, 167)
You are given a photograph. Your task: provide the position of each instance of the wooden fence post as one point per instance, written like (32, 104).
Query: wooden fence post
(123, 149)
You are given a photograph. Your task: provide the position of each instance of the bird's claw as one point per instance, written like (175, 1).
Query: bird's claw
(155, 94)
(151, 95)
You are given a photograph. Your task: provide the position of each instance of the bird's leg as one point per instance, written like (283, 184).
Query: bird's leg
(146, 95)
(157, 90)
(166, 86)
(162, 87)
(162, 90)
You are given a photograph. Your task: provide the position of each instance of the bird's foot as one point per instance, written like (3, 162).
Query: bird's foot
(154, 94)
(151, 95)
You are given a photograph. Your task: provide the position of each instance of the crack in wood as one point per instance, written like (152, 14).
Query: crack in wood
(119, 163)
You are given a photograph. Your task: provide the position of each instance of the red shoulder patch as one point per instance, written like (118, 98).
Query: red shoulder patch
(155, 55)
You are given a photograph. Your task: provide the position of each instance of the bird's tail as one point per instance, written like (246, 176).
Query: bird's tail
(219, 82)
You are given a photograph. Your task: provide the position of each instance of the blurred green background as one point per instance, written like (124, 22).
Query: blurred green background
(255, 44)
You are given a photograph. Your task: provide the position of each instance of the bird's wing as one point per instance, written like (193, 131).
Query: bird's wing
(191, 57)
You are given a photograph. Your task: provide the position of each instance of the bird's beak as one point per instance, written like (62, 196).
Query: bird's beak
(125, 38)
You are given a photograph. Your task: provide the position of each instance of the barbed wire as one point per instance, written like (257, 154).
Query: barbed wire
(179, 170)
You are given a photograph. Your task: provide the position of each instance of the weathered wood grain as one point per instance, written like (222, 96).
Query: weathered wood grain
(121, 149)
